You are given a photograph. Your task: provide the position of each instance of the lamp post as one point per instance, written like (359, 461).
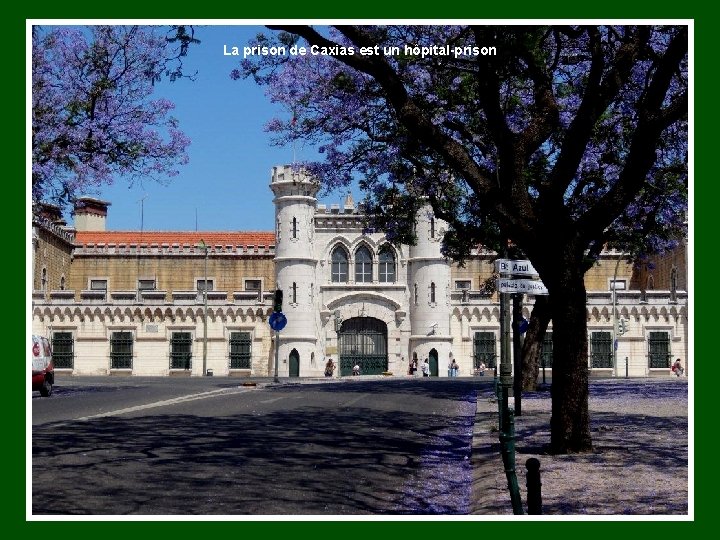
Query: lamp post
(614, 318)
(204, 246)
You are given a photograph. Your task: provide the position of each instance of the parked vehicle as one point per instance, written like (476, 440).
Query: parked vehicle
(42, 370)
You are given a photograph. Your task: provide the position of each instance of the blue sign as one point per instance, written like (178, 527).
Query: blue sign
(277, 321)
(524, 323)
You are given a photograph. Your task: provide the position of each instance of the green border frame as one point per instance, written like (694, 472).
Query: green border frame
(15, 388)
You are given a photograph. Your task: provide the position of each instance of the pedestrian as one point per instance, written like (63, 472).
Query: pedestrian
(414, 366)
(356, 369)
(677, 368)
(481, 368)
(329, 368)
(425, 368)
(454, 367)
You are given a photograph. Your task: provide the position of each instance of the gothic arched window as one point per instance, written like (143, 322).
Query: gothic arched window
(386, 266)
(363, 265)
(339, 270)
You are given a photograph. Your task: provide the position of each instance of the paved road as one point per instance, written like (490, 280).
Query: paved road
(162, 446)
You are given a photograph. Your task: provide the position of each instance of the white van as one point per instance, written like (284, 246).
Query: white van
(42, 370)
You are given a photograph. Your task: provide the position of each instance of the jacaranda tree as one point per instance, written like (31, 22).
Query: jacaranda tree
(561, 140)
(93, 116)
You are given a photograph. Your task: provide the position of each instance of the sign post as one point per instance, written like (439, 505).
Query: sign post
(277, 322)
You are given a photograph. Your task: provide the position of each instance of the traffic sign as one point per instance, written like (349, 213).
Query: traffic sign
(526, 286)
(523, 326)
(277, 321)
(520, 267)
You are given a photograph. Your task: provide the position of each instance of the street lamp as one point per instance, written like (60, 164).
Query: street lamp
(204, 246)
(614, 317)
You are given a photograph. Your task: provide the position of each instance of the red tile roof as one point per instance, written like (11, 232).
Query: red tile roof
(260, 238)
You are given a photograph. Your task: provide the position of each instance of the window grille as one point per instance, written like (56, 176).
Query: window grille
(659, 350)
(63, 348)
(484, 350)
(240, 350)
(121, 350)
(601, 352)
(181, 350)
(546, 353)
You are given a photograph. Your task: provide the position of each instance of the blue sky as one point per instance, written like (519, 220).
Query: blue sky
(226, 182)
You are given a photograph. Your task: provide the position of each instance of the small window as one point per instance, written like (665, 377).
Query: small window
(617, 285)
(432, 227)
(294, 293)
(294, 227)
(98, 284)
(146, 284)
(416, 294)
(43, 279)
(252, 284)
(432, 292)
(62, 283)
(201, 285)
(462, 284)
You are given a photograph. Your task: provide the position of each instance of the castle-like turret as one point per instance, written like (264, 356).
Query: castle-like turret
(429, 284)
(295, 263)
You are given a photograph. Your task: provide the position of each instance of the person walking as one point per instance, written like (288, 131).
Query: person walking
(677, 368)
(425, 368)
(329, 368)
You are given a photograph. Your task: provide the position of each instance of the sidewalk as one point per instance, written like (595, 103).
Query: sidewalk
(638, 426)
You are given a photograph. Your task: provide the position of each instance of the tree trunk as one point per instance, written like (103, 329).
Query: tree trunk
(532, 345)
(570, 421)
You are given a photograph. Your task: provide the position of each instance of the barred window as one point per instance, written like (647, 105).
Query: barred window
(432, 292)
(146, 284)
(601, 351)
(339, 265)
(484, 349)
(240, 350)
(181, 350)
(63, 350)
(294, 227)
(121, 350)
(546, 353)
(659, 350)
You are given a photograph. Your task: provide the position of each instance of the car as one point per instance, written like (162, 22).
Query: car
(42, 369)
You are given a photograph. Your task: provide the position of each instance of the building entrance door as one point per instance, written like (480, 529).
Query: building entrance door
(433, 363)
(363, 341)
(294, 364)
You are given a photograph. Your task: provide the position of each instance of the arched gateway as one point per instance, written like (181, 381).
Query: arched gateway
(363, 341)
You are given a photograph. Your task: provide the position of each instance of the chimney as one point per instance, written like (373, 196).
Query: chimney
(90, 214)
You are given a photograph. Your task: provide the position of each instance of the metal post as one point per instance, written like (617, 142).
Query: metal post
(205, 314)
(626, 367)
(517, 351)
(614, 318)
(534, 493)
(277, 354)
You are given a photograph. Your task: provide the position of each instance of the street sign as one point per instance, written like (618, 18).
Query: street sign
(526, 286)
(277, 321)
(520, 267)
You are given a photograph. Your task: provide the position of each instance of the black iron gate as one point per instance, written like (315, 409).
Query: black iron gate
(363, 341)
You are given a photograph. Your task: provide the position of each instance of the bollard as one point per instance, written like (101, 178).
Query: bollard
(626, 367)
(534, 493)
